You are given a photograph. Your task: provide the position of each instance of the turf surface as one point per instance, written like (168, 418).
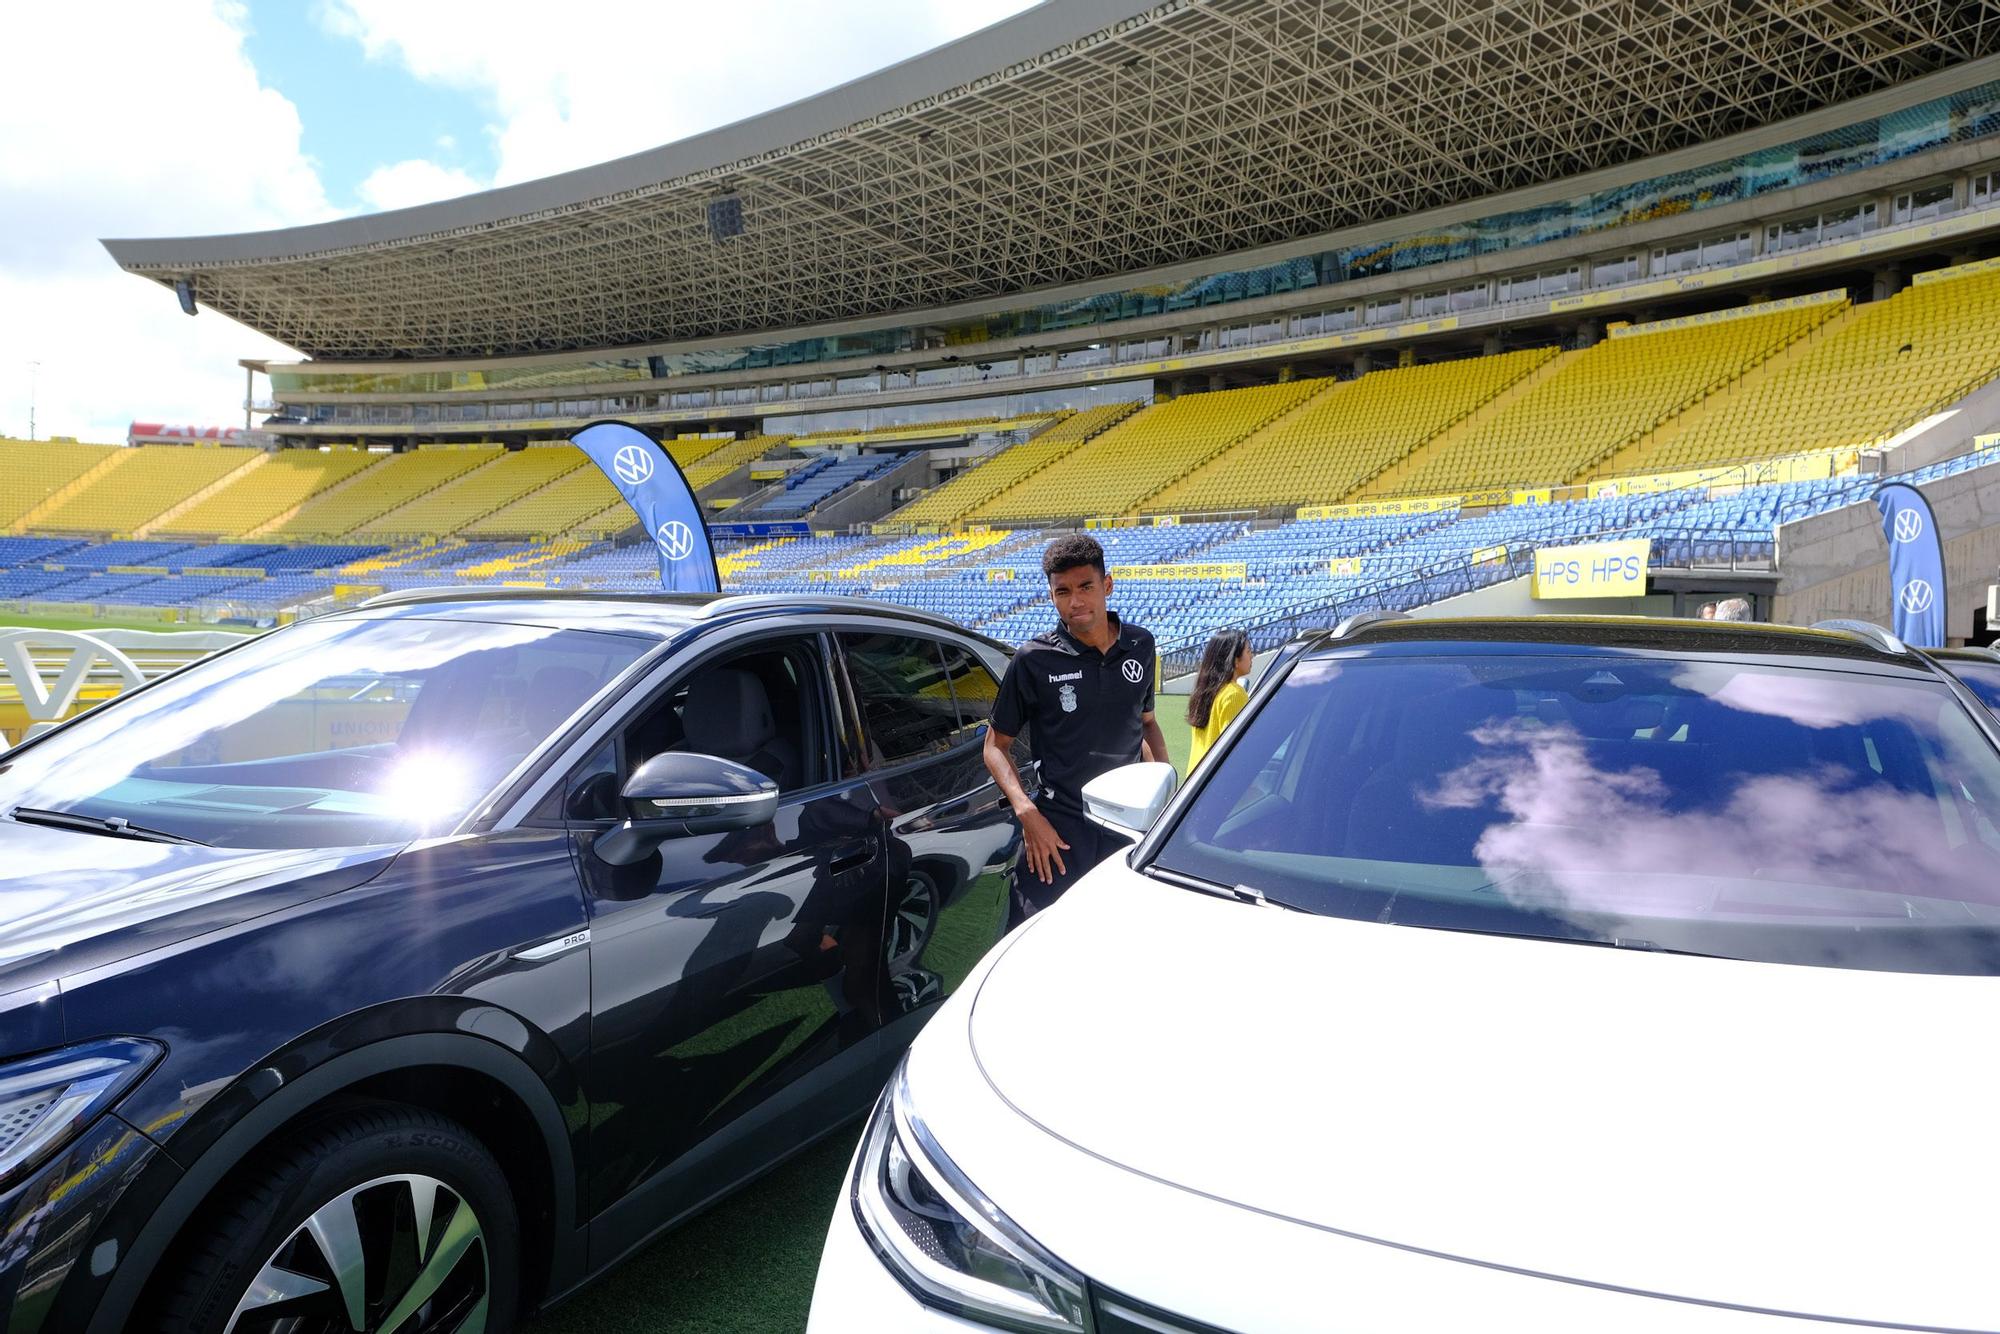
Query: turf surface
(19, 621)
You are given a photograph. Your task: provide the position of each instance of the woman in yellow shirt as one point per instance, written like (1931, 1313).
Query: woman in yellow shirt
(1218, 691)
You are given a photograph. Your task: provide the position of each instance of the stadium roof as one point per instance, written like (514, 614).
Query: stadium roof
(1077, 141)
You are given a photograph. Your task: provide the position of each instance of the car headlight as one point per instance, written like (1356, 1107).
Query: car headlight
(45, 1100)
(944, 1239)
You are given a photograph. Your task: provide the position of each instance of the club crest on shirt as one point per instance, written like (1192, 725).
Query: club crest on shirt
(1068, 696)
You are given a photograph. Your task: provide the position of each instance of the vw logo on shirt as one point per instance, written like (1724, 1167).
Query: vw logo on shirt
(1909, 525)
(1132, 670)
(632, 464)
(676, 539)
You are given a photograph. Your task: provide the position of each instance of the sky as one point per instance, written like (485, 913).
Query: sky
(130, 118)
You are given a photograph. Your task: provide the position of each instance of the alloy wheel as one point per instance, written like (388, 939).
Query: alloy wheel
(396, 1255)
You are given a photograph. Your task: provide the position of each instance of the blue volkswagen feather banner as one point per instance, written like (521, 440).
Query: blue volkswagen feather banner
(652, 484)
(1916, 564)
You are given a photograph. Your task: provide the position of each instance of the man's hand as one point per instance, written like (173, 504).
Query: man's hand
(1044, 847)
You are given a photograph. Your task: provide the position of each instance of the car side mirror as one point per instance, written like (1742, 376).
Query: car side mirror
(679, 794)
(1128, 799)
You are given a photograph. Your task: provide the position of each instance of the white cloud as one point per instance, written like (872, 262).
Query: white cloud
(138, 118)
(613, 78)
(147, 118)
(415, 181)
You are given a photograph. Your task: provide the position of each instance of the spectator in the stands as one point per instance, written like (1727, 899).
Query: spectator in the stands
(1707, 612)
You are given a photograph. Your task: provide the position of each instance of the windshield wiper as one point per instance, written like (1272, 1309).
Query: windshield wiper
(114, 825)
(1238, 893)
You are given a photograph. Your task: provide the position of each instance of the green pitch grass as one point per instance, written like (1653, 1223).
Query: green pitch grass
(17, 621)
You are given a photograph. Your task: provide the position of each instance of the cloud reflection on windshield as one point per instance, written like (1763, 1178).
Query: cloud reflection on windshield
(1581, 838)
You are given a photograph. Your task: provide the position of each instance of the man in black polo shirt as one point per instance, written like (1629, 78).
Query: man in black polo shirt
(1085, 691)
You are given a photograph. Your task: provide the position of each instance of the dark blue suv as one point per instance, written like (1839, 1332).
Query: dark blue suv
(402, 969)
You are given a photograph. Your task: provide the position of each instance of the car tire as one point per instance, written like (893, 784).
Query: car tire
(346, 1196)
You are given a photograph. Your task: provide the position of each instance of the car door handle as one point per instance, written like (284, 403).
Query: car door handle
(851, 861)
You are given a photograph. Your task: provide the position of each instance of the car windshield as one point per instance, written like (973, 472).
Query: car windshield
(1981, 678)
(1722, 808)
(331, 733)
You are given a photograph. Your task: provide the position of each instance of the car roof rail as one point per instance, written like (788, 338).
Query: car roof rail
(1361, 620)
(1864, 630)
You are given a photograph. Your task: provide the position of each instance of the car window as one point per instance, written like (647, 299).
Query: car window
(1751, 811)
(333, 732)
(1981, 678)
(903, 693)
(760, 706)
(973, 688)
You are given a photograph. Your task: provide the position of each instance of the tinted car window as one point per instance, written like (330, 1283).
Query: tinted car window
(1717, 808)
(973, 687)
(329, 733)
(1982, 679)
(903, 693)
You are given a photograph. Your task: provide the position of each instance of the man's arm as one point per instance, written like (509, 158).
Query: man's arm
(1042, 845)
(1154, 745)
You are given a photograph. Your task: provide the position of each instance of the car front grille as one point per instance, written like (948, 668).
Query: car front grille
(1122, 1315)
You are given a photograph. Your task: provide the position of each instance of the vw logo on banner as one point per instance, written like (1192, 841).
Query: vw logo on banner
(652, 485)
(632, 464)
(676, 540)
(1916, 565)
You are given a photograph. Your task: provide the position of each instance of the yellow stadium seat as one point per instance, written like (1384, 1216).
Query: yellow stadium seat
(395, 482)
(953, 500)
(1601, 400)
(286, 480)
(139, 484)
(1345, 437)
(1116, 470)
(449, 507)
(1875, 372)
(32, 471)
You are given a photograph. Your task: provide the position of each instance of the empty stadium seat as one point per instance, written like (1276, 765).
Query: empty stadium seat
(139, 484)
(1882, 368)
(1601, 400)
(285, 481)
(1344, 437)
(952, 501)
(1116, 470)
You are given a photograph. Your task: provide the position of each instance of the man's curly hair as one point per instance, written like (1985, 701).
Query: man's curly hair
(1071, 552)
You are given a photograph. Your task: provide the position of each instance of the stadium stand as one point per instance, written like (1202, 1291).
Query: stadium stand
(139, 483)
(1346, 436)
(1602, 399)
(820, 481)
(712, 465)
(1877, 370)
(284, 482)
(395, 482)
(34, 472)
(958, 497)
(581, 503)
(928, 430)
(1144, 453)
(448, 508)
